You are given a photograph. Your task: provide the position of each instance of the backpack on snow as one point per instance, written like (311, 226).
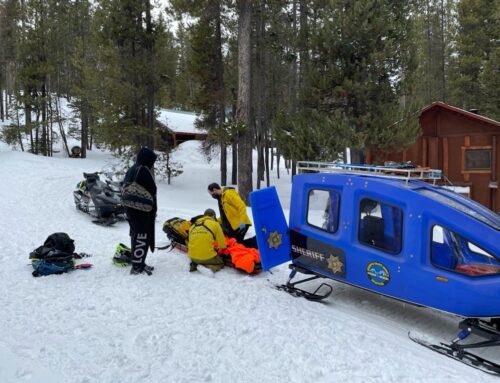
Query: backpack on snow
(177, 230)
(55, 256)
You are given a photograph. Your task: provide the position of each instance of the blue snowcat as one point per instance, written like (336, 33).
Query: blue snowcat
(393, 231)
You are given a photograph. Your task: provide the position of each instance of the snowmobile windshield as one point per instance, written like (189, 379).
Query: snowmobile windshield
(146, 157)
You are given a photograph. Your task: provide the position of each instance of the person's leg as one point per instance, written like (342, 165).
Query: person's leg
(215, 264)
(239, 235)
(250, 242)
(140, 243)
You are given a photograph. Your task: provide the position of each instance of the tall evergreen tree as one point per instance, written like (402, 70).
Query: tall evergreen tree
(477, 40)
(206, 66)
(129, 63)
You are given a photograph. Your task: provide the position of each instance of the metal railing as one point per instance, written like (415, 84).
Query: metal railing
(401, 173)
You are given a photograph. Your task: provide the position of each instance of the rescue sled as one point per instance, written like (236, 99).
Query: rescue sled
(392, 231)
(236, 255)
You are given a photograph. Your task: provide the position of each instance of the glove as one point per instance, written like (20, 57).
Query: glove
(242, 226)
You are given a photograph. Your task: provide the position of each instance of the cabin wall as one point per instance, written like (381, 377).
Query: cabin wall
(446, 137)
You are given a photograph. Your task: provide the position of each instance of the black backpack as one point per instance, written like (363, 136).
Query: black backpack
(55, 256)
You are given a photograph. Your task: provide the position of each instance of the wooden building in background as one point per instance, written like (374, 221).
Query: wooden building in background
(463, 144)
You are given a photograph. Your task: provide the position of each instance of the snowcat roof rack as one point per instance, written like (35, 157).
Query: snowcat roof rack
(402, 173)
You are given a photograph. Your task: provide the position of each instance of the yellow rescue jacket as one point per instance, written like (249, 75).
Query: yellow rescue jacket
(234, 208)
(204, 232)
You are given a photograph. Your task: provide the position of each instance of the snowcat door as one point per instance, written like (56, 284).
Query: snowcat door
(271, 228)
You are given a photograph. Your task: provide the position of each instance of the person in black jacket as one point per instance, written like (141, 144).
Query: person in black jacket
(142, 224)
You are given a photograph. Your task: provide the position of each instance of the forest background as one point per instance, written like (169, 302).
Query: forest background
(293, 79)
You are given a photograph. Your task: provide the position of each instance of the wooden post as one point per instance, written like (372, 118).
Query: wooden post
(424, 152)
(466, 144)
(494, 177)
(445, 156)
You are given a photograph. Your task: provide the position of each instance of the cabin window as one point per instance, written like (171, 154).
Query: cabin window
(380, 225)
(323, 209)
(476, 159)
(451, 251)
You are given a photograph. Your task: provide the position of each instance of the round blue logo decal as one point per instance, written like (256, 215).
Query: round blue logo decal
(378, 273)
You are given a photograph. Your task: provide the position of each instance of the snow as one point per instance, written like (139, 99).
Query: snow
(103, 325)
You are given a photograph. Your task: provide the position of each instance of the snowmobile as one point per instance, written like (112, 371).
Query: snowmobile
(100, 199)
(395, 232)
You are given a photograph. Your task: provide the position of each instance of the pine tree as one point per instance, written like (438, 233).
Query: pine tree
(129, 72)
(206, 67)
(478, 34)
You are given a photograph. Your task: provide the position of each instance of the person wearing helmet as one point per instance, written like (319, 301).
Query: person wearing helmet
(142, 223)
(205, 233)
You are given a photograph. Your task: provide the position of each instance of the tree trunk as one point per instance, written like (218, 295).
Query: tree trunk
(234, 173)
(150, 77)
(244, 100)
(85, 129)
(259, 82)
(443, 55)
(278, 164)
(61, 127)
(19, 136)
(219, 79)
(44, 137)
(429, 54)
(234, 145)
(266, 139)
(27, 122)
(2, 112)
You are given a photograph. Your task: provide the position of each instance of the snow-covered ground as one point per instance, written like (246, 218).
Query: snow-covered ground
(103, 325)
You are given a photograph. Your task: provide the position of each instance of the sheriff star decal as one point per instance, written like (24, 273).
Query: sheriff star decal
(274, 240)
(335, 264)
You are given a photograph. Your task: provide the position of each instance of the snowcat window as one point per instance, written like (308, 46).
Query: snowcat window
(482, 214)
(323, 209)
(380, 226)
(451, 251)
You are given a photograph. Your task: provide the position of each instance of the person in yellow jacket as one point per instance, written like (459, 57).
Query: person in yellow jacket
(233, 211)
(204, 232)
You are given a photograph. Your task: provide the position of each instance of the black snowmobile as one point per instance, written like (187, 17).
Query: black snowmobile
(100, 199)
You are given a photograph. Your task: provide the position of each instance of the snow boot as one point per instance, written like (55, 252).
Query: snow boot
(134, 271)
(193, 267)
(123, 256)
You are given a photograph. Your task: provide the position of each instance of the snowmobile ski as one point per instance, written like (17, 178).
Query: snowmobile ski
(310, 296)
(105, 221)
(321, 292)
(454, 352)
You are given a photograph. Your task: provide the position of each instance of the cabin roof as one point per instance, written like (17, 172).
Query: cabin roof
(179, 121)
(474, 116)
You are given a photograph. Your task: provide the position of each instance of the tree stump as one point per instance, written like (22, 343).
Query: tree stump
(76, 151)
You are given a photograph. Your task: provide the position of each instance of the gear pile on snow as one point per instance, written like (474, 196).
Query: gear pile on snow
(56, 256)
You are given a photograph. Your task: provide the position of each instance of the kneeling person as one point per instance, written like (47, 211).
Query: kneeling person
(203, 234)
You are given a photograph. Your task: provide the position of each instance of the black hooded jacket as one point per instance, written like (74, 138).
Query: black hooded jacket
(144, 162)
(143, 168)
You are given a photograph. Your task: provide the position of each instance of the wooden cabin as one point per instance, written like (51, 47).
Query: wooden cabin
(177, 127)
(461, 143)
